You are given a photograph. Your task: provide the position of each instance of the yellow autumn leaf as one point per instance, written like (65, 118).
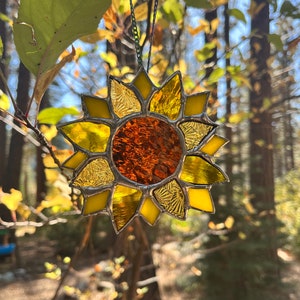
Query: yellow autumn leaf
(61, 155)
(24, 211)
(203, 26)
(21, 231)
(249, 207)
(214, 25)
(102, 93)
(214, 226)
(196, 271)
(49, 132)
(141, 12)
(110, 58)
(99, 35)
(11, 200)
(229, 222)
(4, 101)
(52, 175)
(238, 117)
(242, 235)
(57, 203)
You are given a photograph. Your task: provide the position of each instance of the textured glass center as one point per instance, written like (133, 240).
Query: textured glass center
(146, 150)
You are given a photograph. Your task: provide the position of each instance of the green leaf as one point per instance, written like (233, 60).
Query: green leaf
(5, 18)
(53, 115)
(206, 52)
(4, 101)
(173, 10)
(237, 14)
(289, 10)
(1, 47)
(238, 117)
(204, 4)
(275, 39)
(44, 29)
(233, 70)
(215, 75)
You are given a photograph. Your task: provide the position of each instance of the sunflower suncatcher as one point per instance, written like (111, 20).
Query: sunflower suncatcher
(143, 151)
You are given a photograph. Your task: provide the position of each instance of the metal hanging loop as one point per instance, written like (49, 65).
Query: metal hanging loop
(136, 34)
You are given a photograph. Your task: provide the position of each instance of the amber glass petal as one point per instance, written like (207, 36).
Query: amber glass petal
(197, 170)
(149, 211)
(171, 198)
(123, 99)
(201, 199)
(167, 100)
(88, 135)
(96, 107)
(194, 132)
(75, 160)
(213, 145)
(196, 104)
(125, 201)
(95, 203)
(143, 83)
(96, 173)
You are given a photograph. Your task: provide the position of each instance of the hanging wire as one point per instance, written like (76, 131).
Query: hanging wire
(136, 34)
(152, 33)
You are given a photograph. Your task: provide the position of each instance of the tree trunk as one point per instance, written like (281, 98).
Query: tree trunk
(41, 188)
(3, 135)
(14, 162)
(228, 129)
(261, 143)
(210, 63)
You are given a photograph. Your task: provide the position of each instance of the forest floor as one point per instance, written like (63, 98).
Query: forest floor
(173, 265)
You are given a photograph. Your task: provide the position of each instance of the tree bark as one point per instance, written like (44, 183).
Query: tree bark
(211, 62)
(228, 129)
(3, 135)
(14, 162)
(261, 143)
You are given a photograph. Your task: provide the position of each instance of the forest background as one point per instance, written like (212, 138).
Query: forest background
(245, 53)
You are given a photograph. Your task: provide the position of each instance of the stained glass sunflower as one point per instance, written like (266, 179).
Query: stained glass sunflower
(143, 151)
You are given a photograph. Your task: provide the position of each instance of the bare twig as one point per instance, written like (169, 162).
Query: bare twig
(21, 131)
(12, 225)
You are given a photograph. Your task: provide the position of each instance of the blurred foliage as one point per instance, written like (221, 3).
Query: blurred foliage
(69, 235)
(288, 207)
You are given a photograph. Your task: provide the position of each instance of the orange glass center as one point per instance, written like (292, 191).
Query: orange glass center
(146, 150)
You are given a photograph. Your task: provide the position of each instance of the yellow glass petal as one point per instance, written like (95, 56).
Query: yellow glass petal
(143, 84)
(149, 211)
(201, 199)
(96, 107)
(125, 201)
(213, 145)
(196, 104)
(194, 132)
(167, 100)
(123, 99)
(95, 203)
(171, 198)
(75, 160)
(197, 170)
(88, 135)
(96, 173)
